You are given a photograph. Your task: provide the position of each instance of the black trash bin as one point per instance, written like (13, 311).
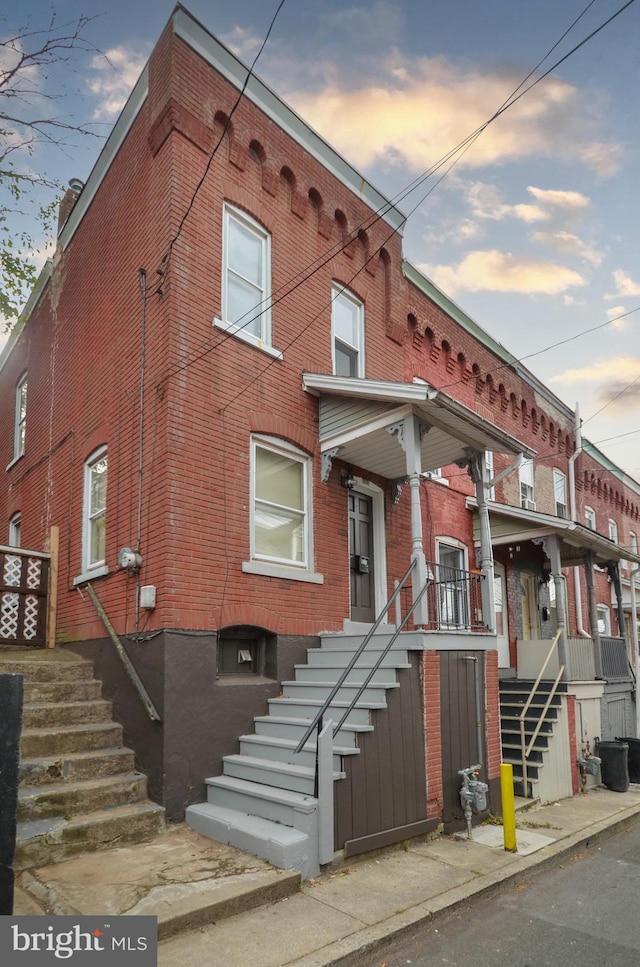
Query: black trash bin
(615, 765)
(634, 758)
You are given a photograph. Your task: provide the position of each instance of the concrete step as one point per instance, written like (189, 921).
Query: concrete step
(71, 738)
(72, 691)
(272, 772)
(83, 796)
(255, 799)
(301, 707)
(52, 714)
(341, 657)
(36, 669)
(283, 750)
(44, 841)
(331, 673)
(76, 765)
(346, 693)
(282, 846)
(294, 728)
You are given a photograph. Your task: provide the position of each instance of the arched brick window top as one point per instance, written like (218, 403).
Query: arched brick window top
(287, 175)
(257, 152)
(315, 199)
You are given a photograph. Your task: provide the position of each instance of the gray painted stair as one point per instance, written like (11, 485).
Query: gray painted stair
(79, 789)
(264, 802)
(513, 697)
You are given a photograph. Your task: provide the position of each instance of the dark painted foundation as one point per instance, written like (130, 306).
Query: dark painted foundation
(11, 695)
(202, 714)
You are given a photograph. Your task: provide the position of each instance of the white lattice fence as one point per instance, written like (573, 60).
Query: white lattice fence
(24, 579)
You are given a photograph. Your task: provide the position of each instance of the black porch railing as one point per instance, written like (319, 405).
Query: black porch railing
(453, 599)
(615, 658)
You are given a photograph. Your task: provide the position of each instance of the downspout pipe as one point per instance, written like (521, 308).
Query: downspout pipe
(581, 630)
(634, 638)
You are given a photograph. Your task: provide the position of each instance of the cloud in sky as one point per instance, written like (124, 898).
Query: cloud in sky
(623, 369)
(114, 74)
(625, 285)
(503, 272)
(614, 313)
(419, 109)
(568, 244)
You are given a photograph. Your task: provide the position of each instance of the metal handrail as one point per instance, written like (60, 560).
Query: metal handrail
(526, 750)
(356, 655)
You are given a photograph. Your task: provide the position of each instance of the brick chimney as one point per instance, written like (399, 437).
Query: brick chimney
(71, 196)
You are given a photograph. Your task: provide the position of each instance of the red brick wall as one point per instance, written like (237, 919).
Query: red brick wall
(433, 734)
(492, 702)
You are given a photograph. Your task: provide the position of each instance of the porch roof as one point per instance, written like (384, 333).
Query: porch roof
(356, 417)
(512, 524)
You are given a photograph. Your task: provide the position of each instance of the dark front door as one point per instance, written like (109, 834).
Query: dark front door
(459, 718)
(361, 557)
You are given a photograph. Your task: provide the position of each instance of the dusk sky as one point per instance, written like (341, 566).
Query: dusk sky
(534, 232)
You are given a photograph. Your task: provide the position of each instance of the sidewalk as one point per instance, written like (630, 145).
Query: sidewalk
(216, 905)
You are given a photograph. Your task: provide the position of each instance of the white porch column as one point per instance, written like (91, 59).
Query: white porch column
(479, 473)
(552, 545)
(410, 433)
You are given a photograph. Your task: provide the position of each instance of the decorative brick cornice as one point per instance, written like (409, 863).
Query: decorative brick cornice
(176, 117)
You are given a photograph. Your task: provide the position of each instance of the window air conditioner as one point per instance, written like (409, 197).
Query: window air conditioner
(529, 504)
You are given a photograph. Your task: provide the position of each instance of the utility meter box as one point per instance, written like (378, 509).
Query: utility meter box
(148, 597)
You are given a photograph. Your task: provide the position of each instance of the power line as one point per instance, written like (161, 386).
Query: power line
(463, 146)
(164, 262)
(370, 220)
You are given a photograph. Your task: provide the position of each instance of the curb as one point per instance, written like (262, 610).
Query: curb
(358, 949)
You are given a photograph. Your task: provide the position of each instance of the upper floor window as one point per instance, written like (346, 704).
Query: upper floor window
(613, 531)
(95, 510)
(280, 504)
(15, 525)
(20, 425)
(560, 493)
(633, 542)
(590, 518)
(347, 333)
(526, 485)
(604, 619)
(246, 278)
(452, 581)
(488, 462)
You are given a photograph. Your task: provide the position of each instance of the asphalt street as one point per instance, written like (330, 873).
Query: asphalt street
(583, 913)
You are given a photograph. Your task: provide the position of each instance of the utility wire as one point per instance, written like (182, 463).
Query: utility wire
(463, 146)
(371, 220)
(164, 262)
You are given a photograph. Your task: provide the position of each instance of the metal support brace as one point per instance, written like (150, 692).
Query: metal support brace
(325, 793)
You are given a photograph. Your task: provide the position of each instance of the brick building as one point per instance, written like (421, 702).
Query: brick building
(249, 418)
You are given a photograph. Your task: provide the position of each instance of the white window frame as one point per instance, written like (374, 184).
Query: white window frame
(590, 518)
(448, 592)
(613, 531)
(262, 340)
(488, 462)
(89, 566)
(263, 564)
(20, 418)
(527, 485)
(341, 294)
(15, 523)
(604, 618)
(559, 478)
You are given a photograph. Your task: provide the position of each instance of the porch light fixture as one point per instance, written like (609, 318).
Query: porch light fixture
(347, 480)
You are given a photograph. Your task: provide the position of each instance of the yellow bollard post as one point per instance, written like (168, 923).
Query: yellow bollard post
(508, 807)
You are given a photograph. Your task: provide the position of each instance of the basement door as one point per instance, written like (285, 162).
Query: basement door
(361, 564)
(462, 726)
